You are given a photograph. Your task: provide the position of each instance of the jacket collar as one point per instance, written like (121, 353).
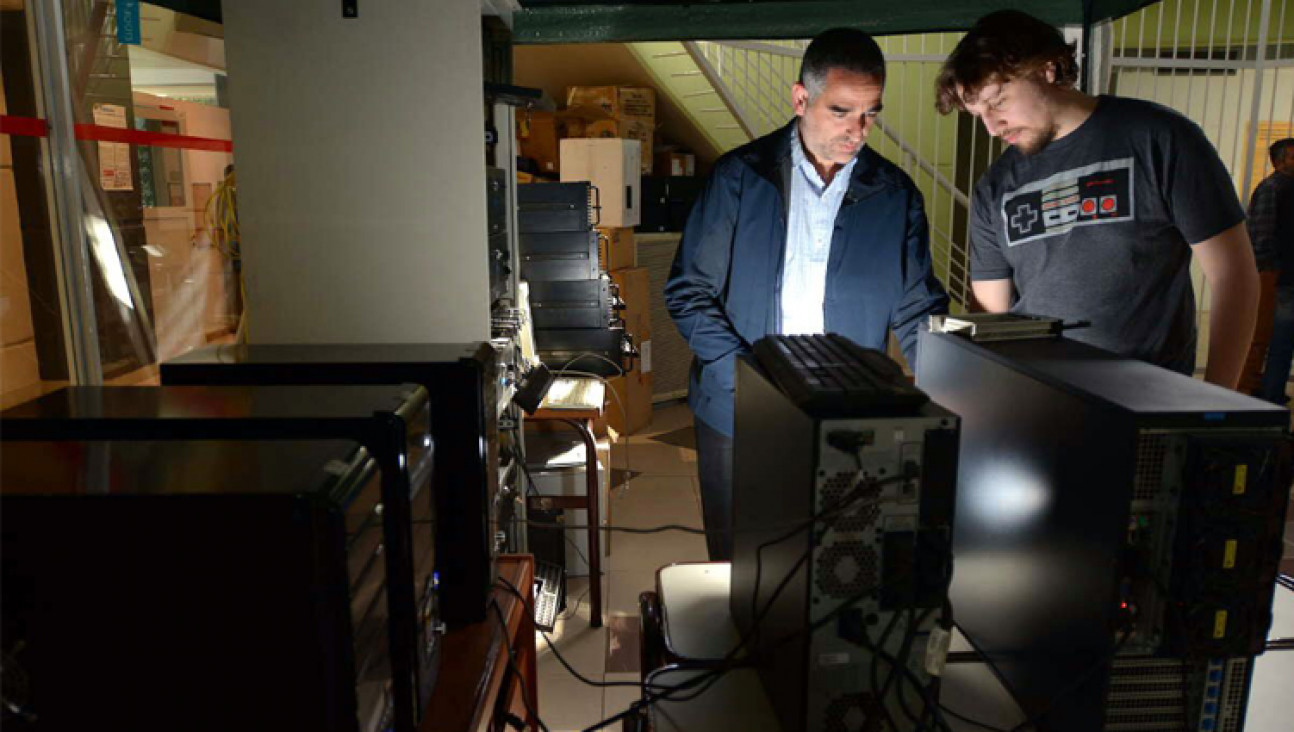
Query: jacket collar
(770, 158)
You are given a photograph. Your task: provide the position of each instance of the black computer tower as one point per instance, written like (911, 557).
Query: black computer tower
(1118, 531)
(155, 586)
(880, 483)
(392, 421)
(462, 380)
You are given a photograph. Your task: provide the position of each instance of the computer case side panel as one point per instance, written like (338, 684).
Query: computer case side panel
(764, 457)
(1039, 523)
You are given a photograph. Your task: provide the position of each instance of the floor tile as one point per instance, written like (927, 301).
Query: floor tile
(618, 699)
(654, 458)
(668, 418)
(622, 644)
(625, 588)
(583, 647)
(567, 704)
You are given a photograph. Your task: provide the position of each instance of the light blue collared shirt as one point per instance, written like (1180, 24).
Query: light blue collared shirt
(809, 227)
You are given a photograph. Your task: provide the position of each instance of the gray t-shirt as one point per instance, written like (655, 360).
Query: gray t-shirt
(1098, 227)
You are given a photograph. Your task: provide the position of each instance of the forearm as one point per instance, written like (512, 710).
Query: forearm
(1231, 327)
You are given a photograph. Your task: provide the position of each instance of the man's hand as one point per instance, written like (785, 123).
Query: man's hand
(1228, 264)
(993, 295)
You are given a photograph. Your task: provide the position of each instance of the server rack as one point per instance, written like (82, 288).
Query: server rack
(463, 381)
(1118, 531)
(392, 422)
(193, 585)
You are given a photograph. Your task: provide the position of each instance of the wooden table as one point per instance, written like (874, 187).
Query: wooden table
(581, 420)
(477, 688)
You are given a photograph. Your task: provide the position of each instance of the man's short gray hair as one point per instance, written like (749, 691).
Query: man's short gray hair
(847, 49)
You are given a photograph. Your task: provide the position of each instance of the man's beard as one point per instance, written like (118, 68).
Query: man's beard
(1030, 144)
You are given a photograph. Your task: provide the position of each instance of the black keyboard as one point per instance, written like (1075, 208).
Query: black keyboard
(833, 376)
(550, 594)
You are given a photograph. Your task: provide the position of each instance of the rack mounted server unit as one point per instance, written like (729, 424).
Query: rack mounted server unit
(1118, 531)
(392, 422)
(575, 306)
(829, 434)
(200, 585)
(462, 381)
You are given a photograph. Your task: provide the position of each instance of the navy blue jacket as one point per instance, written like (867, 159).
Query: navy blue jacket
(725, 286)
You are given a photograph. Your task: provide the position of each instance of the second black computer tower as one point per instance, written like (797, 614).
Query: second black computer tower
(156, 586)
(1118, 531)
(462, 380)
(392, 421)
(841, 523)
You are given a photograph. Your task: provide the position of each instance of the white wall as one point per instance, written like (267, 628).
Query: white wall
(361, 183)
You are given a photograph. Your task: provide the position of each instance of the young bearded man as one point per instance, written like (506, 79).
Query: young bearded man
(1095, 210)
(805, 230)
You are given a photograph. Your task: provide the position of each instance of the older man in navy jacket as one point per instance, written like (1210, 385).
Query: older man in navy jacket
(804, 230)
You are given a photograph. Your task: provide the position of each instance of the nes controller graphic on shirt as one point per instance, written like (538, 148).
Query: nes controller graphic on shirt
(1100, 193)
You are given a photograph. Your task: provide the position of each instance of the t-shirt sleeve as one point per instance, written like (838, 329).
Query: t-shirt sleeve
(987, 261)
(1197, 188)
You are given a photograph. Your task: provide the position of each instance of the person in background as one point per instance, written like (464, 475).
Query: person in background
(806, 230)
(1094, 211)
(1271, 229)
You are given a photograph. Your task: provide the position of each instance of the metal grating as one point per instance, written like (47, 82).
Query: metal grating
(861, 518)
(1234, 694)
(1146, 694)
(1151, 451)
(848, 569)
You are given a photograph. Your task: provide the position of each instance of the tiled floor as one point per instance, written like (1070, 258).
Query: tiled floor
(661, 489)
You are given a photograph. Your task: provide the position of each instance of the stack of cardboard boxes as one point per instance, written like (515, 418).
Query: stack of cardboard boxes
(624, 112)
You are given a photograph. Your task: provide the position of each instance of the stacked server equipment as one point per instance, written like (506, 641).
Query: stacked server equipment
(843, 493)
(181, 584)
(1118, 531)
(462, 380)
(574, 304)
(393, 422)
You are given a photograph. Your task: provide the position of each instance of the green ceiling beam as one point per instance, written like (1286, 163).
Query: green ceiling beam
(774, 20)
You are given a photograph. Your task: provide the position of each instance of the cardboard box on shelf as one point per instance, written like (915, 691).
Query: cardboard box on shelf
(616, 248)
(593, 122)
(675, 164)
(615, 101)
(525, 177)
(537, 132)
(612, 166)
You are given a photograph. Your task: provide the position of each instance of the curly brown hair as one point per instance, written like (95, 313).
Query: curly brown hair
(1001, 46)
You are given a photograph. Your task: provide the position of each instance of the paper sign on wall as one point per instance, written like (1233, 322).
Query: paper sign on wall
(114, 157)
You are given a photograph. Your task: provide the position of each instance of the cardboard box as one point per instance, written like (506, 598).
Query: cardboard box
(588, 122)
(615, 101)
(15, 302)
(626, 112)
(538, 133)
(19, 374)
(634, 396)
(525, 177)
(635, 290)
(613, 167)
(675, 164)
(616, 249)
